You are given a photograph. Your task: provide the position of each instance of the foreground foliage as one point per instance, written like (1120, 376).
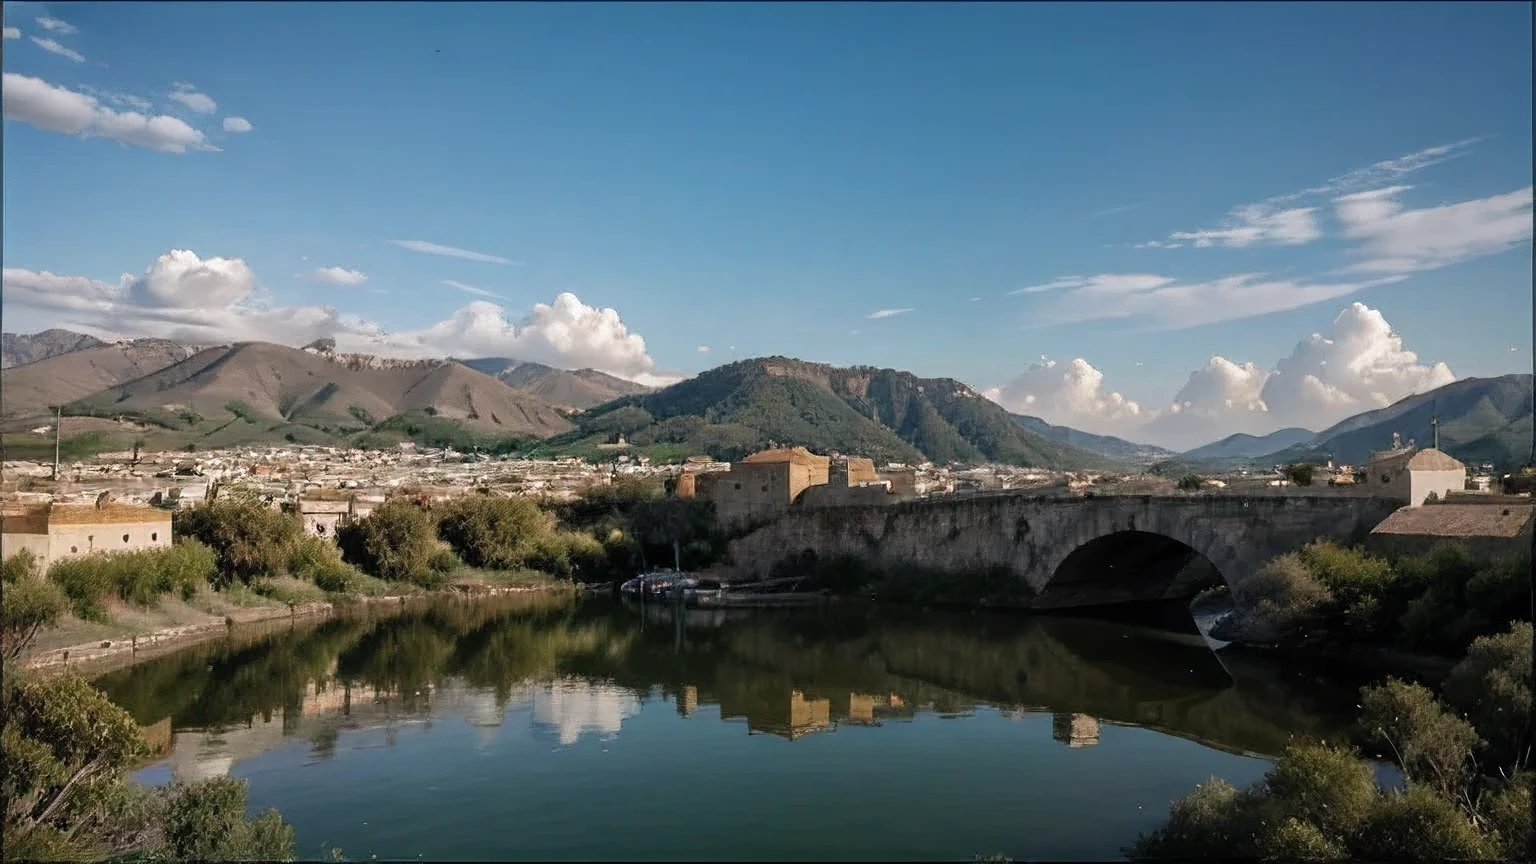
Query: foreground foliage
(1469, 779)
(28, 604)
(67, 796)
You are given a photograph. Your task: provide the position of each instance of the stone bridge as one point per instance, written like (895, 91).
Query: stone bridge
(1070, 552)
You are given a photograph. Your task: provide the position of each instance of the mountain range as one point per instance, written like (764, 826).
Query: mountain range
(170, 395)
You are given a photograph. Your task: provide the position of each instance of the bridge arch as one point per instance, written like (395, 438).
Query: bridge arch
(1130, 566)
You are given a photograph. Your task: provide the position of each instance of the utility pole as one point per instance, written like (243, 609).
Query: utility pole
(58, 418)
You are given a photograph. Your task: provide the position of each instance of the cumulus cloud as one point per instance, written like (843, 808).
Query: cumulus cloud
(1359, 364)
(1397, 240)
(1070, 394)
(55, 25)
(237, 125)
(337, 276)
(427, 248)
(471, 289)
(1276, 221)
(53, 47)
(188, 96)
(703, 349)
(12, 33)
(57, 109)
(1175, 305)
(888, 313)
(219, 300)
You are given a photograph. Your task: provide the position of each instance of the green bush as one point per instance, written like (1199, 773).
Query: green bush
(206, 821)
(1327, 787)
(495, 532)
(1418, 826)
(1433, 746)
(249, 538)
(396, 542)
(1492, 685)
(1280, 599)
(317, 560)
(1190, 483)
(28, 604)
(141, 576)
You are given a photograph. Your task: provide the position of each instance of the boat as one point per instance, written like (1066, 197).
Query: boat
(654, 585)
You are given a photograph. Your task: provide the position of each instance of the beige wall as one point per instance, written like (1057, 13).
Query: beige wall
(750, 492)
(1422, 483)
(67, 540)
(37, 544)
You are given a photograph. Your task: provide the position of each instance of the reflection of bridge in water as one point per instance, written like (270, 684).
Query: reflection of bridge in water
(587, 671)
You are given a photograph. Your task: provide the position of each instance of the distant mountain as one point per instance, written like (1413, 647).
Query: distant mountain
(1481, 420)
(1105, 445)
(573, 389)
(885, 414)
(259, 390)
(1242, 446)
(31, 388)
(21, 349)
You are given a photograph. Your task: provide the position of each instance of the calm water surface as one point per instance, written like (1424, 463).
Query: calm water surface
(536, 729)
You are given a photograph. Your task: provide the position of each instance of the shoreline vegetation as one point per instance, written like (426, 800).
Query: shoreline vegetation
(68, 751)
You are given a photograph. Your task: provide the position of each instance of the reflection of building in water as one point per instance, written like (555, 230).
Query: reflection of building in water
(791, 713)
(688, 701)
(574, 706)
(1075, 730)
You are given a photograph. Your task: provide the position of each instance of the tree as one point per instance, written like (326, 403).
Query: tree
(1300, 473)
(1191, 483)
(28, 605)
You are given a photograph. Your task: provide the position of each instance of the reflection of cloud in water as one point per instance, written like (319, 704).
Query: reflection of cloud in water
(574, 706)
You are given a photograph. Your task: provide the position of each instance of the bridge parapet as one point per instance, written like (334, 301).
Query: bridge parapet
(1032, 536)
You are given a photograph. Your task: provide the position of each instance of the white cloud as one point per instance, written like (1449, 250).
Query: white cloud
(56, 109)
(54, 25)
(1176, 305)
(53, 47)
(1070, 394)
(337, 276)
(427, 248)
(703, 349)
(888, 313)
(187, 95)
(471, 289)
(1272, 222)
(237, 125)
(1359, 364)
(219, 300)
(1396, 240)
(12, 33)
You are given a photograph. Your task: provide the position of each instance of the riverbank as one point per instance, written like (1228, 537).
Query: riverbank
(84, 645)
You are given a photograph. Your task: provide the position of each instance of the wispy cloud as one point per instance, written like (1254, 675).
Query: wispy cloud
(57, 109)
(336, 276)
(888, 313)
(237, 125)
(1276, 222)
(703, 349)
(188, 96)
(1106, 284)
(1398, 240)
(13, 33)
(471, 289)
(973, 300)
(427, 248)
(1113, 211)
(54, 25)
(53, 47)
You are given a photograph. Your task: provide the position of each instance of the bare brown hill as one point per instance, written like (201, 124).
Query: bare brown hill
(274, 386)
(29, 389)
(19, 349)
(573, 389)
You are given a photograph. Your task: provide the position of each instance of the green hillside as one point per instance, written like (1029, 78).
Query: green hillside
(885, 414)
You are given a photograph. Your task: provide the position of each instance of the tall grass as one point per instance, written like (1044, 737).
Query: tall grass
(139, 577)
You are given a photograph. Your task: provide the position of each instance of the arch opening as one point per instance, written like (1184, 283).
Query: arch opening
(1128, 567)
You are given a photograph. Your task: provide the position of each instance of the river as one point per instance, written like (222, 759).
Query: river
(536, 728)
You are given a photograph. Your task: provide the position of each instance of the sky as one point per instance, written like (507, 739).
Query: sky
(1167, 222)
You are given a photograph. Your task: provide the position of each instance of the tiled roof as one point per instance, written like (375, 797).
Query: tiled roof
(1431, 459)
(798, 455)
(1460, 520)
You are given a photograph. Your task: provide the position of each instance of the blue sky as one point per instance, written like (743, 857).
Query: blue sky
(765, 177)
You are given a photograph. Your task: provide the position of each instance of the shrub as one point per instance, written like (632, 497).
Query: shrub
(1492, 684)
(317, 560)
(1300, 474)
(397, 542)
(28, 605)
(494, 532)
(1357, 580)
(1217, 820)
(249, 538)
(1507, 812)
(1279, 599)
(205, 821)
(1433, 746)
(140, 577)
(1190, 483)
(569, 555)
(1418, 826)
(1324, 786)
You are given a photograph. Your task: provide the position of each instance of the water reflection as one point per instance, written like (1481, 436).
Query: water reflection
(570, 671)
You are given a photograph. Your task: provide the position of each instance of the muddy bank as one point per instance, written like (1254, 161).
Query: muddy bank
(103, 654)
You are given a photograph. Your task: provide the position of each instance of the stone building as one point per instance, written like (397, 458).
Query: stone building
(765, 485)
(1414, 475)
(1489, 528)
(54, 531)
